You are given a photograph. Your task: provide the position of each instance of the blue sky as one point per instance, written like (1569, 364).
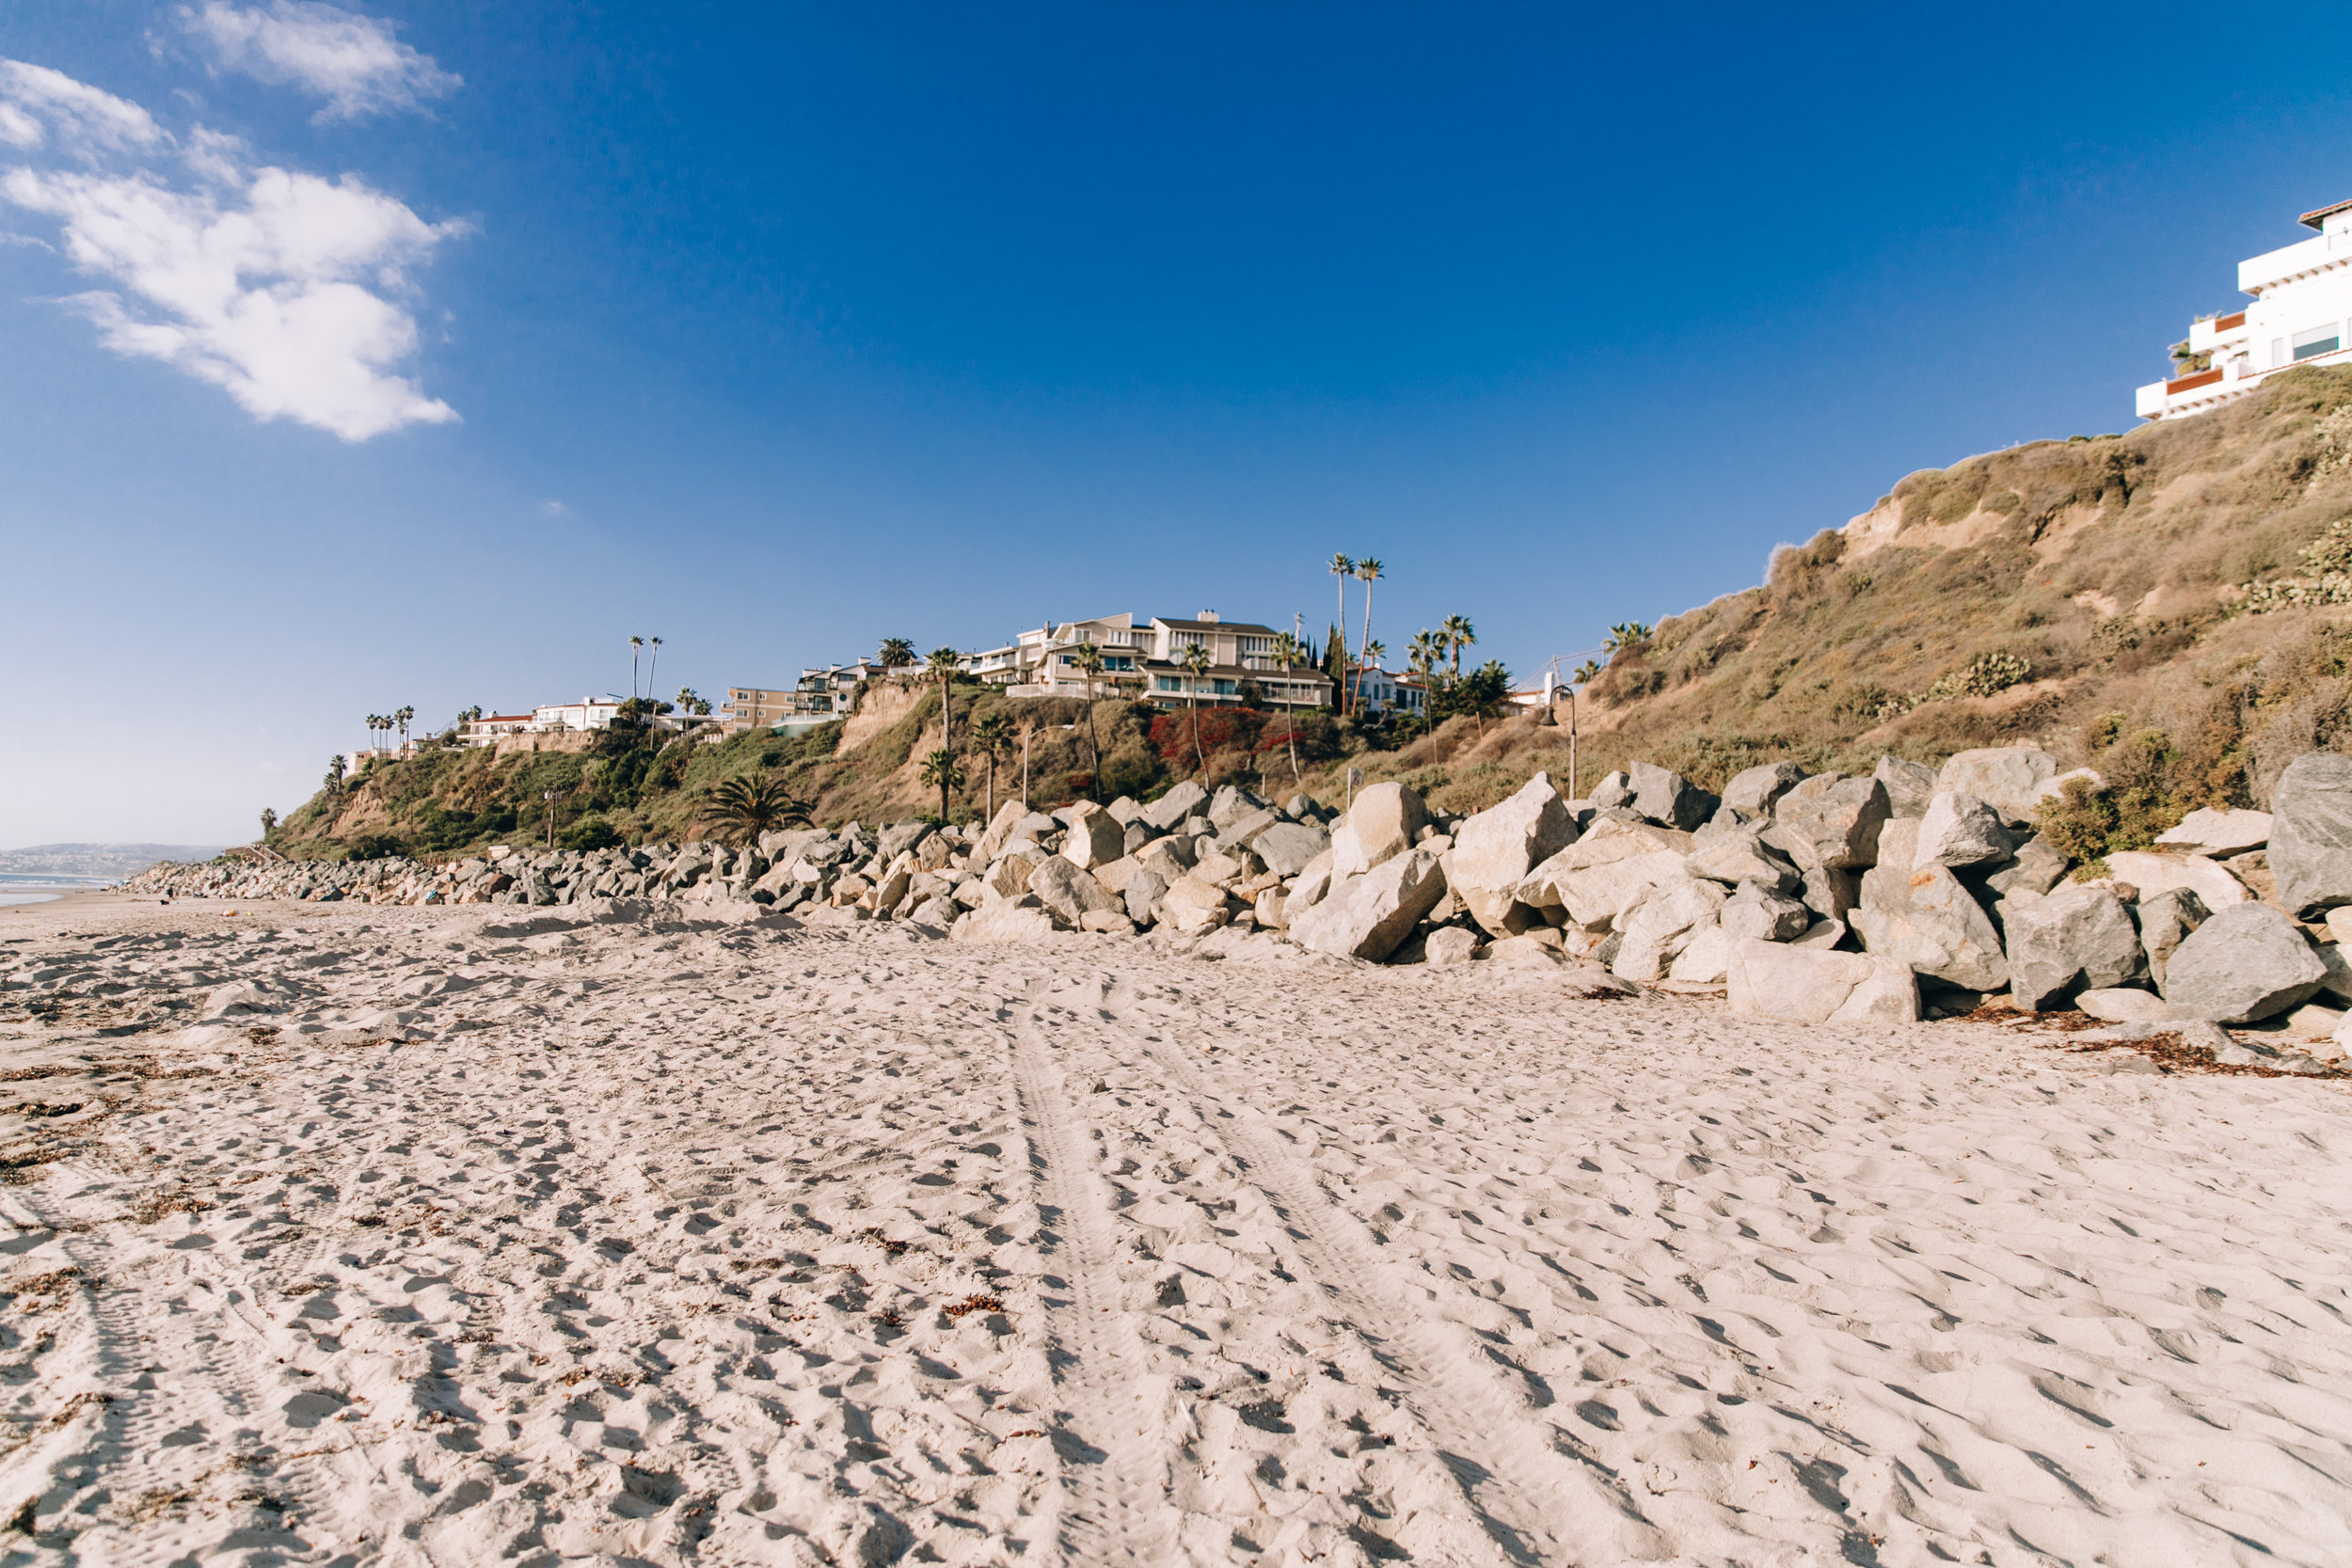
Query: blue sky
(422, 353)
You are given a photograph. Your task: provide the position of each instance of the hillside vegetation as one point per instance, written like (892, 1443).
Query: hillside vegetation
(2167, 606)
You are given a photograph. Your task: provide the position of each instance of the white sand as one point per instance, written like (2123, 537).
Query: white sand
(739, 1245)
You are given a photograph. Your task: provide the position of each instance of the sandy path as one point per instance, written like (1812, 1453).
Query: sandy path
(675, 1244)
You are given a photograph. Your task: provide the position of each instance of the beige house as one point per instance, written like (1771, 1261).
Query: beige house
(1143, 660)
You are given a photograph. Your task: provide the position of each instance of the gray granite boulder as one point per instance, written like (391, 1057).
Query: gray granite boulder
(1811, 985)
(1910, 786)
(2245, 963)
(2076, 938)
(1668, 798)
(1755, 914)
(2165, 921)
(1370, 915)
(1830, 822)
(1960, 829)
(2310, 833)
(1734, 855)
(1067, 891)
(1287, 846)
(1613, 790)
(1753, 790)
(1928, 920)
(1187, 800)
(2009, 778)
(2034, 867)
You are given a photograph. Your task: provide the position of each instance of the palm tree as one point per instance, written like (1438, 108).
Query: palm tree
(1368, 569)
(1343, 567)
(1089, 661)
(1028, 733)
(269, 823)
(1288, 651)
(991, 734)
(1459, 634)
(750, 807)
(942, 768)
(1195, 658)
(942, 664)
(652, 663)
(1427, 648)
(403, 714)
(897, 652)
(634, 644)
(335, 774)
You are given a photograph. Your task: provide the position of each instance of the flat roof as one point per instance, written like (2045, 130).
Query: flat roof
(2318, 215)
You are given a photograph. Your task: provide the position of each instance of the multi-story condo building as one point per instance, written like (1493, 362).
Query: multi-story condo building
(1143, 660)
(820, 697)
(2302, 302)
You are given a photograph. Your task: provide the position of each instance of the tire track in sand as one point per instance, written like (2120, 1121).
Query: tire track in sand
(1537, 1504)
(1108, 1439)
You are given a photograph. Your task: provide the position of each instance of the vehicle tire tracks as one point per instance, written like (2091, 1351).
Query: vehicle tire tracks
(1108, 1439)
(1535, 1503)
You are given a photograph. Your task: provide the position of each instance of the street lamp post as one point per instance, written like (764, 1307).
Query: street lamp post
(549, 796)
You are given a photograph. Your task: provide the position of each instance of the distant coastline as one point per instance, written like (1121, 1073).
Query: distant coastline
(43, 887)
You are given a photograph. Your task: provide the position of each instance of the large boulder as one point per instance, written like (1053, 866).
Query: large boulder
(1231, 804)
(2034, 867)
(1379, 826)
(1752, 791)
(2152, 873)
(1958, 829)
(1735, 855)
(1142, 894)
(1494, 850)
(998, 832)
(1187, 800)
(1010, 877)
(1668, 798)
(1661, 926)
(1811, 985)
(900, 838)
(2310, 833)
(2011, 779)
(1704, 959)
(1367, 916)
(1830, 822)
(1095, 838)
(1614, 789)
(2245, 963)
(1928, 920)
(1067, 891)
(2165, 921)
(1194, 905)
(1753, 914)
(1287, 846)
(1910, 786)
(1607, 841)
(2207, 831)
(1594, 896)
(2076, 938)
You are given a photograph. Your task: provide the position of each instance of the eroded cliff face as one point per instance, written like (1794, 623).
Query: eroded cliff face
(2075, 593)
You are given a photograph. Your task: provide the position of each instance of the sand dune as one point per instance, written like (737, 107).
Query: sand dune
(446, 1240)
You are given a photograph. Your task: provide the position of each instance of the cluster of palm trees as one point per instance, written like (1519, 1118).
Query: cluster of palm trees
(1367, 571)
(1444, 646)
(385, 722)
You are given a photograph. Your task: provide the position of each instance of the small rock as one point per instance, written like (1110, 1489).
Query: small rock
(1448, 944)
(2122, 1004)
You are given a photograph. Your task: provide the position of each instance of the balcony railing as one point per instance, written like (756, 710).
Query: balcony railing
(2190, 382)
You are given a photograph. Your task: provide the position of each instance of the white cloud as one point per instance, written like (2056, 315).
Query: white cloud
(352, 61)
(283, 289)
(83, 120)
(554, 508)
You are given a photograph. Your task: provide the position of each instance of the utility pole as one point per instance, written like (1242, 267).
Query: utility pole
(549, 796)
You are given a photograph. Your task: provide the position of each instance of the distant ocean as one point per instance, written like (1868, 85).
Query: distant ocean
(37, 888)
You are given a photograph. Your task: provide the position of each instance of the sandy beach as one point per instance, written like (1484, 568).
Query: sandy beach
(464, 1237)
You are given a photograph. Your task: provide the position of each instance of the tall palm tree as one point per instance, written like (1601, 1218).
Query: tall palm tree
(403, 714)
(1368, 569)
(653, 662)
(1089, 661)
(1343, 567)
(1426, 649)
(1459, 634)
(942, 768)
(635, 643)
(335, 774)
(747, 808)
(1374, 651)
(943, 665)
(992, 732)
(897, 652)
(1195, 658)
(1288, 652)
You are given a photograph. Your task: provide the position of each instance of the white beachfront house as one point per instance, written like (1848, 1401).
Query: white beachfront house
(2302, 302)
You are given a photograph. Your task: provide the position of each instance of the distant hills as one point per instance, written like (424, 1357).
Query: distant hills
(97, 860)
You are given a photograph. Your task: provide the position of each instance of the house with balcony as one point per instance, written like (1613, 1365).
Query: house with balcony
(2302, 302)
(1144, 660)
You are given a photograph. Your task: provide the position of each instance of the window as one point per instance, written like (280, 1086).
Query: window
(2318, 341)
(1167, 683)
(1223, 689)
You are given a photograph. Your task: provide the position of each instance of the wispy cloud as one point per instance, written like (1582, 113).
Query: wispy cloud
(352, 61)
(284, 288)
(41, 108)
(554, 508)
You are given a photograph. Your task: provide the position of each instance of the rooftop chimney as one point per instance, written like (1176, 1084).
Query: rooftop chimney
(1209, 617)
